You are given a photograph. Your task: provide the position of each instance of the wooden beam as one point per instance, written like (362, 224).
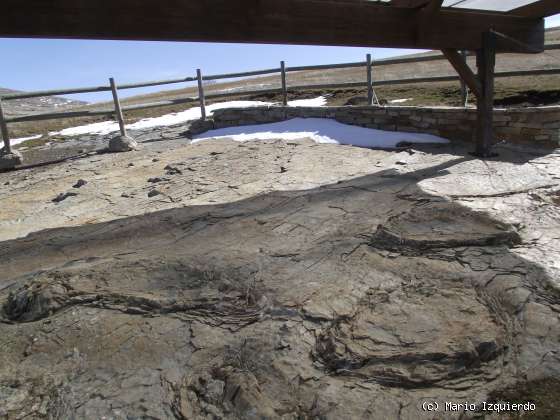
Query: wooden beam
(538, 9)
(432, 7)
(485, 62)
(461, 66)
(426, 17)
(409, 4)
(464, 91)
(313, 22)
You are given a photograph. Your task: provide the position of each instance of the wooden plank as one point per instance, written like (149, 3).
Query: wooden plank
(95, 113)
(201, 95)
(242, 93)
(157, 83)
(159, 104)
(59, 115)
(284, 88)
(326, 66)
(56, 92)
(485, 61)
(405, 60)
(518, 73)
(4, 130)
(538, 9)
(415, 80)
(329, 86)
(435, 79)
(462, 68)
(314, 22)
(241, 74)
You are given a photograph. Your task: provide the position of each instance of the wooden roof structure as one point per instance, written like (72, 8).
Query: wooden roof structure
(484, 26)
(424, 24)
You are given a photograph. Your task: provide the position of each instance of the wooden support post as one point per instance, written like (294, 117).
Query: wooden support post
(4, 130)
(284, 86)
(369, 81)
(201, 95)
(485, 62)
(118, 109)
(464, 92)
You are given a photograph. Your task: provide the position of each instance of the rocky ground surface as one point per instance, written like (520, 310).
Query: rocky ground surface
(274, 280)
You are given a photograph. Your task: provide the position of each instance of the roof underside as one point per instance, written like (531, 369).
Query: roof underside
(423, 24)
(533, 8)
(490, 5)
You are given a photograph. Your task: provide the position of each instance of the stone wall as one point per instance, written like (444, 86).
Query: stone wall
(536, 126)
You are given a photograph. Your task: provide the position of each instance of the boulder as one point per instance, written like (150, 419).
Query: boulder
(9, 160)
(122, 144)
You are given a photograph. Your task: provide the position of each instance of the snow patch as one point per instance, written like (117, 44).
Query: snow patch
(190, 114)
(107, 127)
(400, 101)
(101, 128)
(319, 101)
(320, 130)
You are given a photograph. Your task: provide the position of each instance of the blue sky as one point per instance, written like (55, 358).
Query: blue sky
(38, 64)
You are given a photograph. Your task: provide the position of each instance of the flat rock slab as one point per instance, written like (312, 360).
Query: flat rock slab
(442, 225)
(276, 280)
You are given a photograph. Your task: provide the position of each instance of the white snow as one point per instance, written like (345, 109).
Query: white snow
(101, 128)
(107, 127)
(319, 101)
(190, 114)
(320, 130)
(400, 101)
(13, 142)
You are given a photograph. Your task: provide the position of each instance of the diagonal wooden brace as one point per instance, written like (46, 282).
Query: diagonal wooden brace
(461, 67)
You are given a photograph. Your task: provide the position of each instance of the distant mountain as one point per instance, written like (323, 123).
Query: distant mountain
(36, 105)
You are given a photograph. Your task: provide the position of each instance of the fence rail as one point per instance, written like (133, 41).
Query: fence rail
(117, 111)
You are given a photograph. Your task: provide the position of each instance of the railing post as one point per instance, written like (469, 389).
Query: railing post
(284, 86)
(464, 92)
(369, 80)
(118, 109)
(4, 130)
(122, 143)
(8, 158)
(201, 95)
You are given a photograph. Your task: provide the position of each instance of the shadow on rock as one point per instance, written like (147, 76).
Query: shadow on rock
(358, 297)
